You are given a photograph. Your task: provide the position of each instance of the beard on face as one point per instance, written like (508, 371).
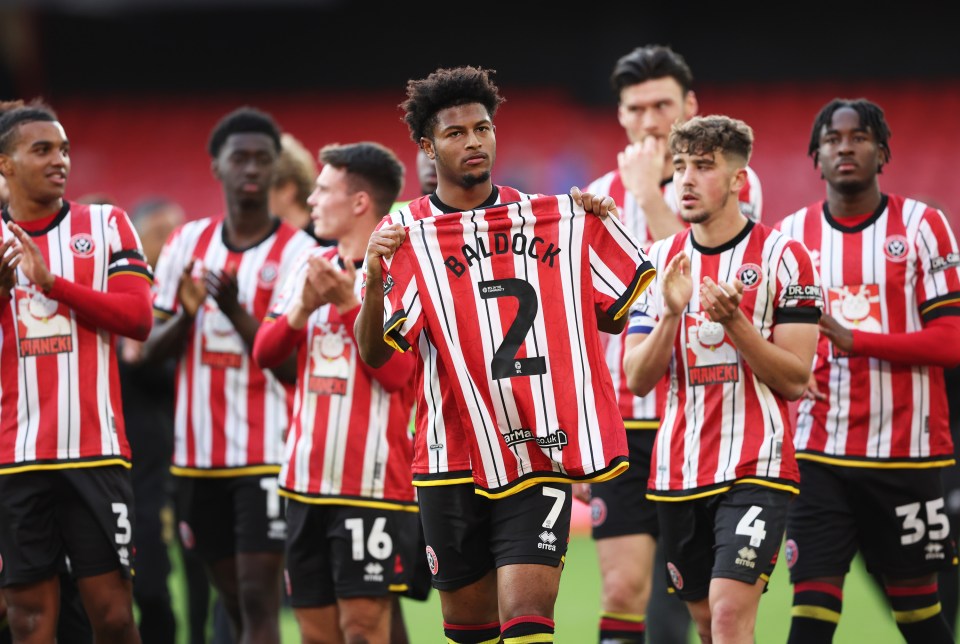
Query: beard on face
(471, 180)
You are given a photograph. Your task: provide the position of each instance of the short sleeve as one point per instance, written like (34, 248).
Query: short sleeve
(126, 252)
(621, 271)
(799, 297)
(402, 307)
(167, 276)
(938, 270)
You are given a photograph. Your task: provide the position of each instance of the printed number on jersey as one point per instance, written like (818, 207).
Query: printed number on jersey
(505, 363)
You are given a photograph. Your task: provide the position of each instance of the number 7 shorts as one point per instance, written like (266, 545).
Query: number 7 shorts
(468, 534)
(85, 514)
(895, 517)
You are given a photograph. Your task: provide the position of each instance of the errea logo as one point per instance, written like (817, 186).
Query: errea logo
(547, 541)
(747, 557)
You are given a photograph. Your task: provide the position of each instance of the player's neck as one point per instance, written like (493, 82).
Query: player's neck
(353, 245)
(720, 228)
(461, 198)
(22, 208)
(245, 227)
(851, 205)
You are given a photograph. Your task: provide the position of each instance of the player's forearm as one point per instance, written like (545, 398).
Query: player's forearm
(645, 361)
(124, 309)
(276, 340)
(780, 369)
(167, 339)
(936, 345)
(368, 329)
(661, 221)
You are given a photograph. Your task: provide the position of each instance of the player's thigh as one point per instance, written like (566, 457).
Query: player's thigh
(456, 528)
(319, 624)
(30, 545)
(206, 517)
(687, 539)
(97, 521)
(620, 506)
(309, 573)
(905, 530)
(748, 530)
(822, 531)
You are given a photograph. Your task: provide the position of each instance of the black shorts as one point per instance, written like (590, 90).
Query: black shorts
(895, 517)
(342, 551)
(85, 514)
(419, 578)
(468, 534)
(732, 535)
(620, 506)
(220, 517)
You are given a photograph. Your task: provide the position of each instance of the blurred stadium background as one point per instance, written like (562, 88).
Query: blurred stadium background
(138, 84)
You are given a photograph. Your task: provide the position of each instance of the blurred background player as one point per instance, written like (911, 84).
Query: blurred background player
(873, 433)
(351, 509)
(216, 279)
(63, 471)
(292, 184)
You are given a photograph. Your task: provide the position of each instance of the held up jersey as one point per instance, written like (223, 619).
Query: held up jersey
(722, 424)
(508, 297)
(441, 453)
(893, 273)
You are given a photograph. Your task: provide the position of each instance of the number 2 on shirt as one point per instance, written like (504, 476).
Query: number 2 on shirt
(505, 363)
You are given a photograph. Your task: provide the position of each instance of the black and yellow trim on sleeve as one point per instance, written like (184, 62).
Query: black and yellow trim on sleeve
(641, 280)
(941, 306)
(391, 332)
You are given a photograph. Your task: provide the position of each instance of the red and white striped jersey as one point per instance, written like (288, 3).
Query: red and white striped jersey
(349, 441)
(509, 297)
(890, 274)
(60, 401)
(721, 423)
(441, 452)
(643, 412)
(229, 413)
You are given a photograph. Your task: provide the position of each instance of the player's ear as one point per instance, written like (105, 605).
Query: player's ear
(690, 105)
(426, 145)
(361, 202)
(215, 169)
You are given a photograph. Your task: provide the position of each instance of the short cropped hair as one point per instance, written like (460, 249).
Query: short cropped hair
(243, 120)
(649, 63)
(447, 87)
(370, 167)
(706, 134)
(295, 165)
(16, 113)
(871, 118)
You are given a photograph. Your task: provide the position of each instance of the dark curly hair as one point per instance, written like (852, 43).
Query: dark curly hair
(871, 118)
(447, 87)
(243, 120)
